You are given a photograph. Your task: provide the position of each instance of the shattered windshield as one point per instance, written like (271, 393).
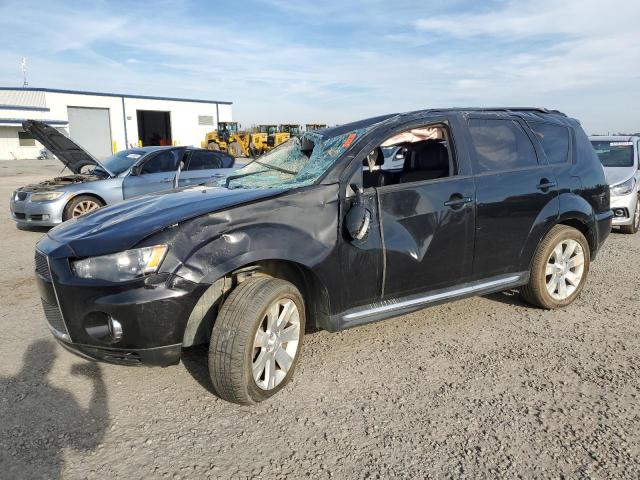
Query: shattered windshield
(296, 163)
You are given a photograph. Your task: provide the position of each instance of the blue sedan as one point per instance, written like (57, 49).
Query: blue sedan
(92, 184)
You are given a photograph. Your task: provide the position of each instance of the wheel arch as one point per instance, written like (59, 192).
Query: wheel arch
(313, 290)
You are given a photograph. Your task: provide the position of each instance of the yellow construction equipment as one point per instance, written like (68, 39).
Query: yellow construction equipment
(229, 138)
(314, 126)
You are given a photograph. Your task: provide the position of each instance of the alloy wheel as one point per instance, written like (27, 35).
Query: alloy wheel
(85, 206)
(564, 269)
(276, 343)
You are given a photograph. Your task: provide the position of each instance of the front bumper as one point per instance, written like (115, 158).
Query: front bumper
(37, 214)
(159, 356)
(624, 207)
(153, 312)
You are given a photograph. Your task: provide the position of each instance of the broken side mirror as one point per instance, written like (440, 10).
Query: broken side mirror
(358, 219)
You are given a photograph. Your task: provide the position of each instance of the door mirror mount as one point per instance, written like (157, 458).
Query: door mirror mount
(358, 218)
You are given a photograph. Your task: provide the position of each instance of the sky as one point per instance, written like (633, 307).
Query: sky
(300, 61)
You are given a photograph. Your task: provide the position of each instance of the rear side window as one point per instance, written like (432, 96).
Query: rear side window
(204, 160)
(501, 145)
(166, 161)
(554, 140)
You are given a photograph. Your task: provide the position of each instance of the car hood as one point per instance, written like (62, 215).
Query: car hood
(615, 175)
(72, 155)
(123, 225)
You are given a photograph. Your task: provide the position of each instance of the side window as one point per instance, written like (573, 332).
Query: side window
(165, 161)
(554, 140)
(204, 160)
(501, 145)
(418, 154)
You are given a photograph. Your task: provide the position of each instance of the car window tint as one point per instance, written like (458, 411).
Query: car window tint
(554, 140)
(501, 145)
(227, 160)
(204, 160)
(166, 161)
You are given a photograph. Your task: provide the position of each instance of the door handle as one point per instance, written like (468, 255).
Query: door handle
(457, 201)
(545, 185)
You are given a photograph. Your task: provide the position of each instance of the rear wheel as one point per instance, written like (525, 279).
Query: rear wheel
(81, 205)
(256, 340)
(213, 146)
(633, 228)
(234, 149)
(559, 269)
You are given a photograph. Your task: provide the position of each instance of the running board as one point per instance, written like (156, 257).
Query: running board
(399, 306)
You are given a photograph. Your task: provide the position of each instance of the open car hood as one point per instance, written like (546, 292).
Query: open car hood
(69, 152)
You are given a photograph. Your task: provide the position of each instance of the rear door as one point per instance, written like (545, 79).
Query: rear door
(156, 172)
(201, 167)
(515, 193)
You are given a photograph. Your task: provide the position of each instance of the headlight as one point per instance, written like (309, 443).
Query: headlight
(45, 196)
(123, 266)
(623, 188)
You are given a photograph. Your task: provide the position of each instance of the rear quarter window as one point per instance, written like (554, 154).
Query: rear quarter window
(554, 140)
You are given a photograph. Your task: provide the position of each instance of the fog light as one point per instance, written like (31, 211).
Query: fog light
(45, 217)
(103, 327)
(619, 212)
(115, 329)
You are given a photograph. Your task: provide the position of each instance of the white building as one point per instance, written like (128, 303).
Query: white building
(104, 123)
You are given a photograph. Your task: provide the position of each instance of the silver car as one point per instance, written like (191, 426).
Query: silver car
(620, 157)
(93, 183)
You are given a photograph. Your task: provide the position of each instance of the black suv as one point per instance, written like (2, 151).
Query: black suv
(320, 233)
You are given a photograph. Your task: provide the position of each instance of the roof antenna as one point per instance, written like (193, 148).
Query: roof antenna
(23, 65)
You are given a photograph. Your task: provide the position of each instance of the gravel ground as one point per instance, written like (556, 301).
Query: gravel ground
(483, 387)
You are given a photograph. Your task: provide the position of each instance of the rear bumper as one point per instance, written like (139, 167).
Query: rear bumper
(603, 229)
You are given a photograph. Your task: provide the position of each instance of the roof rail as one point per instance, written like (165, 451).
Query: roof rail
(500, 109)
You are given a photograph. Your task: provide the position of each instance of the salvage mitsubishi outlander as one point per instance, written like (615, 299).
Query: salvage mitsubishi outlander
(321, 233)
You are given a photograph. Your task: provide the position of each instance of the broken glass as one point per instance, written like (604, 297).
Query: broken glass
(296, 163)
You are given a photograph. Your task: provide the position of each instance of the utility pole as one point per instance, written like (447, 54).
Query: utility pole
(23, 64)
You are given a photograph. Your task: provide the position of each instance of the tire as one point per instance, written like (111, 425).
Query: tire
(550, 269)
(234, 149)
(233, 354)
(213, 146)
(633, 228)
(81, 205)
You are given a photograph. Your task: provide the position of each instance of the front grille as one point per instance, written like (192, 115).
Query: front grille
(22, 196)
(54, 317)
(42, 266)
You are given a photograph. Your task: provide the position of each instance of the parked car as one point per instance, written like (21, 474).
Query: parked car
(93, 183)
(620, 157)
(492, 200)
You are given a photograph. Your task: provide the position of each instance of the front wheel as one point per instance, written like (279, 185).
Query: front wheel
(256, 340)
(81, 205)
(635, 225)
(559, 269)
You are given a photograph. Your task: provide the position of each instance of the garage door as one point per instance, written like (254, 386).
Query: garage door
(90, 128)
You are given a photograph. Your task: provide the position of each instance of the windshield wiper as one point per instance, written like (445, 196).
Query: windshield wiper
(273, 167)
(235, 177)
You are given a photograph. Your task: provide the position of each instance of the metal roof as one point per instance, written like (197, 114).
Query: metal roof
(118, 95)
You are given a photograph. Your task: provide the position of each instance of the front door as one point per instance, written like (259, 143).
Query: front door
(155, 174)
(515, 193)
(427, 233)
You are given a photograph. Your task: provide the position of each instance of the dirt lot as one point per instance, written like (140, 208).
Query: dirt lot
(484, 387)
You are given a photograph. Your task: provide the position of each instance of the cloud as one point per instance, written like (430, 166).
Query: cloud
(334, 62)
